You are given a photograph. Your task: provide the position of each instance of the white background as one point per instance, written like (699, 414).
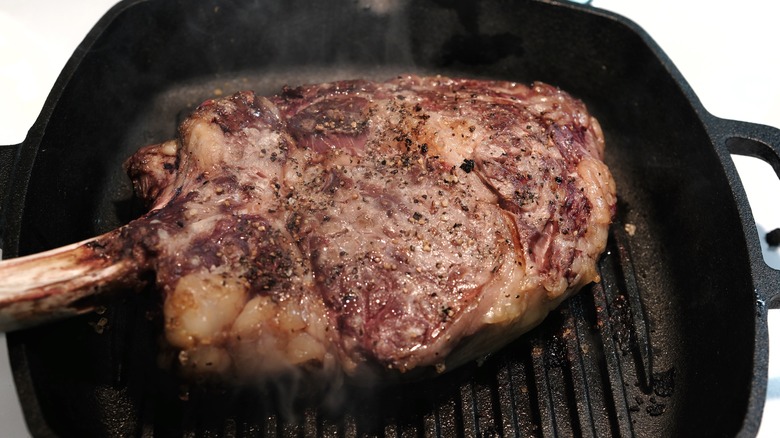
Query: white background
(727, 51)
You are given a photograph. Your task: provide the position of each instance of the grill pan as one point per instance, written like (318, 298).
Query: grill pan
(672, 342)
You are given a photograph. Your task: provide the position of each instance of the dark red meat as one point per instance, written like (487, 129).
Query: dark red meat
(356, 226)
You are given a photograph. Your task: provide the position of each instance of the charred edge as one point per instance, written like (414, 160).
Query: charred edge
(289, 93)
(176, 161)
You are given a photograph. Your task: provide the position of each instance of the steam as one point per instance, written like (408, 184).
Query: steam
(382, 7)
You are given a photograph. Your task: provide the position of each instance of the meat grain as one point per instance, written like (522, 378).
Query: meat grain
(351, 227)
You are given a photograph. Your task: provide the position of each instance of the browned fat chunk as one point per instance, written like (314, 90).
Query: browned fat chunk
(356, 225)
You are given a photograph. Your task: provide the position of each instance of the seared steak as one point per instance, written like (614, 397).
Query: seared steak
(352, 226)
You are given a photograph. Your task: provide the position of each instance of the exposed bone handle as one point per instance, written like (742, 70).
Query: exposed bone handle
(49, 285)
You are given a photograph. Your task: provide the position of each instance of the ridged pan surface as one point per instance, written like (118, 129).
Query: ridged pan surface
(663, 346)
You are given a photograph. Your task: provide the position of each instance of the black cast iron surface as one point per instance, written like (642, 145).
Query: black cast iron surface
(672, 342)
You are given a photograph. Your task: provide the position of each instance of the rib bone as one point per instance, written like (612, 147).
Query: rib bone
(53, 284)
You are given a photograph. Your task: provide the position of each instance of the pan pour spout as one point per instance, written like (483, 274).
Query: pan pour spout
(351, 227)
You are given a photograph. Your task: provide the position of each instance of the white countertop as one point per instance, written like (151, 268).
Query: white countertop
(727, 51)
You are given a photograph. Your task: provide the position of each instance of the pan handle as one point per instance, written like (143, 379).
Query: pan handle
(763, 142)
(9, 156)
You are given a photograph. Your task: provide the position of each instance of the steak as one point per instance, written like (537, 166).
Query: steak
(350, 227)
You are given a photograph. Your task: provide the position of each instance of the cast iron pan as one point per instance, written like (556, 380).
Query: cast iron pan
(673, 342)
